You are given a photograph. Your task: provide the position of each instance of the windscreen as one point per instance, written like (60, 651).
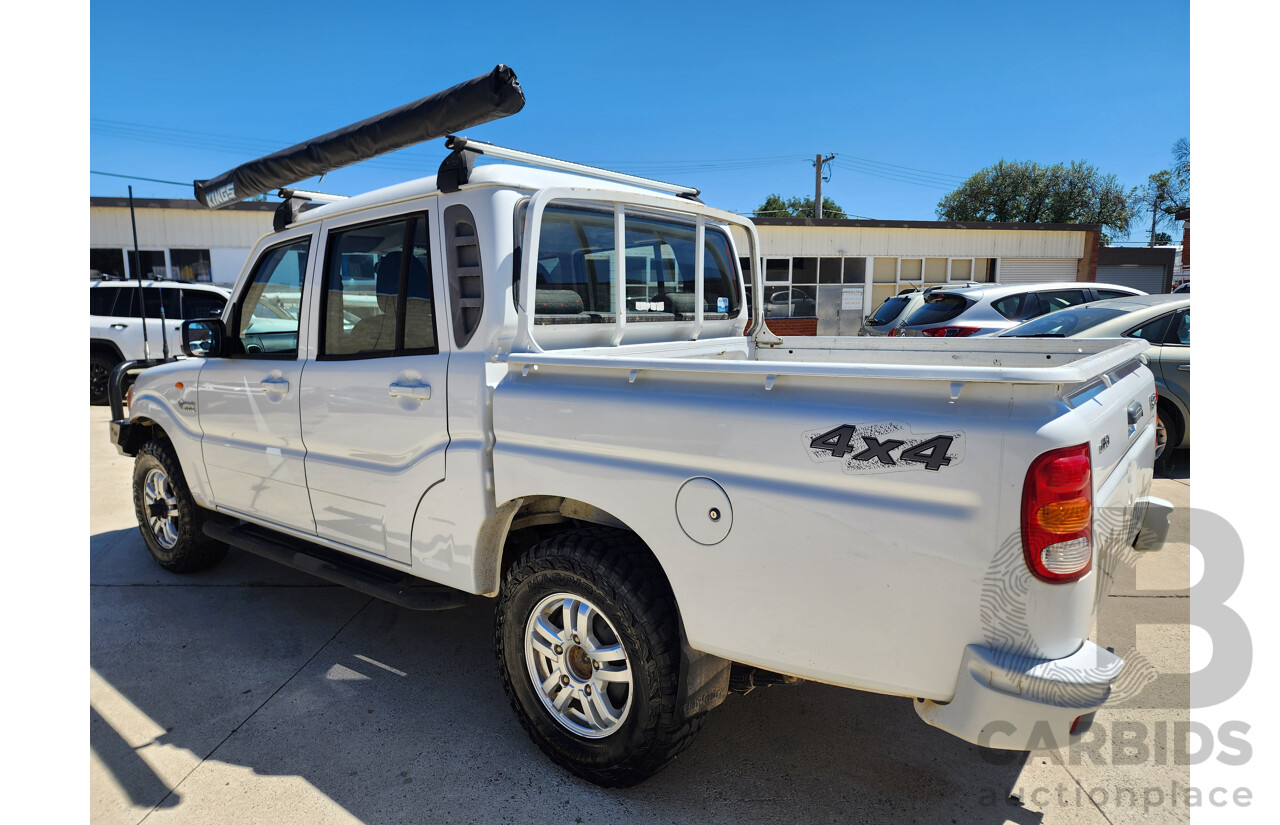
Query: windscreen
(1064, 322)
(890, 309)
(938, 309)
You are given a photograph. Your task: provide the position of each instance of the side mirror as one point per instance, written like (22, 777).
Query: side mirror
(204, 337)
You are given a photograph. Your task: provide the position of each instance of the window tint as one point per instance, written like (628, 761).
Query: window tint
(1010, 306)
(196, 303)
(1152, 331)
(938, 309)
(1064, 323)
(1180, 328)
(274, 290)
(890, 309)
(102, 300)
(1061, 299)
(390, 312)
(172, 300)
(1103, 294)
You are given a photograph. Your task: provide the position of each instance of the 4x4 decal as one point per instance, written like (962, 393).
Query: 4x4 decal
(884, 446)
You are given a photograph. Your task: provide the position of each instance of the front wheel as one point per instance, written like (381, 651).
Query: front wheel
(172, 523)
(588, 646)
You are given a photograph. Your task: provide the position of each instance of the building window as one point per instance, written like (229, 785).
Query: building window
(106, 263)
(891, 276)
(147, 263)
(190, 264)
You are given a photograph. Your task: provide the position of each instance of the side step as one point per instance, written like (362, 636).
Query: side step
(357, 574)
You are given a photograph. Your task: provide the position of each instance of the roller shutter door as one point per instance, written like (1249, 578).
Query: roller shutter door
(1036, 270)
(1149, 279)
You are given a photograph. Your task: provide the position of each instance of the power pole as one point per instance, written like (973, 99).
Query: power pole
(818, 161)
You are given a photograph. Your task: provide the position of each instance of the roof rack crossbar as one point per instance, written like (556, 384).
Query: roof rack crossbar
(462, 145)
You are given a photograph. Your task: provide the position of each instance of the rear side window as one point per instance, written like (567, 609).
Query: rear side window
(1152, 331)
(890, 309)
(1011, 306)
(938, 309)
(576, 269)
(1103, 294)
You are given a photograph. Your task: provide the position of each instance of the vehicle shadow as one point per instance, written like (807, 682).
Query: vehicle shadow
(394, 714)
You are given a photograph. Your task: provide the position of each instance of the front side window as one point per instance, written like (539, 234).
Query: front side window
(1061, 299)
(267, 314)
(378, 297)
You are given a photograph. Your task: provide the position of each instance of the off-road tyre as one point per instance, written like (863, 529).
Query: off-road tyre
(191, 550)
(613, 571)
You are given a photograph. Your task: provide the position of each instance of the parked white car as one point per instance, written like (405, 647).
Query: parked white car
(653, 499)
(116, 322)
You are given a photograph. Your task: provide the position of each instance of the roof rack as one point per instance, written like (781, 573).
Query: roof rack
(455, 170)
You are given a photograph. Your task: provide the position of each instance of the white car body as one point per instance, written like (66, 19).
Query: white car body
(700, 440)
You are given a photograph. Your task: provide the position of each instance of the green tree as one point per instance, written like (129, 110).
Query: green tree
(1026, 192)
(1161, 198)
(775, 207)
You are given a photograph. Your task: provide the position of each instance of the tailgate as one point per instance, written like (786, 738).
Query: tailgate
(1120, 407)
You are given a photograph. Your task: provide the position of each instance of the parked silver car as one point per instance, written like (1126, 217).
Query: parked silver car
(1164, 321)
(993, 308)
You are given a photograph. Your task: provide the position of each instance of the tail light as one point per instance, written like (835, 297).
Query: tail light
(949, 332)
(894, 331)
(1057, 515)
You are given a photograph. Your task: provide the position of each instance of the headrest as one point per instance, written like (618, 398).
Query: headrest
(388, 276)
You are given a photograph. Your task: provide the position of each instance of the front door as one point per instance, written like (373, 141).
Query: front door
(248, 401)
(373, 412)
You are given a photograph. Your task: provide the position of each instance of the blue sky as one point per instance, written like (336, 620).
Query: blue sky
(733, 98)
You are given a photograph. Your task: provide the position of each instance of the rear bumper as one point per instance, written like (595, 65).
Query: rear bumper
(1014, 702)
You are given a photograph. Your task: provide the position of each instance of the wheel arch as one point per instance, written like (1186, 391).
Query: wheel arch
(104, 347)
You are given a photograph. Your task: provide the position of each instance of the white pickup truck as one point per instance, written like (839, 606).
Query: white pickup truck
(558, 407)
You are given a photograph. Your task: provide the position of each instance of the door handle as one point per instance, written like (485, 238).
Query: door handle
(1185, 367)
(119, 326)
(418, 392)
(274, 385)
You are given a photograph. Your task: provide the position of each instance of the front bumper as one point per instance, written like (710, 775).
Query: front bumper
(1014, 702)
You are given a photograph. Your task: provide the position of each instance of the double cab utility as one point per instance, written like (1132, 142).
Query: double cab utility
(545, 387)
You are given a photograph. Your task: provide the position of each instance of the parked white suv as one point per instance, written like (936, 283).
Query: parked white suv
(115, 322)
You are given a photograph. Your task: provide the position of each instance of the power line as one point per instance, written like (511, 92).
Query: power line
(135, 177)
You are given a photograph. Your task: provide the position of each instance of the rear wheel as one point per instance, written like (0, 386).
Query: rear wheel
(588, 646)
(1168, 435)
(172, 524)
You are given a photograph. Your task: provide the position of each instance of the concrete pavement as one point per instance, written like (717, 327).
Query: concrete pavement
(251, 693)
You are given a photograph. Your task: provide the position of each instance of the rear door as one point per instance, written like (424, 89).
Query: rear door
(373, 412)
(1175, 356)
(248, 401)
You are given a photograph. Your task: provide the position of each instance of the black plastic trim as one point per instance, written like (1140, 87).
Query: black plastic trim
(365, 577)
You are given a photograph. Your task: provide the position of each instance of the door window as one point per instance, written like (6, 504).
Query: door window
(390, 313)
(1152, 332)
(267, 314)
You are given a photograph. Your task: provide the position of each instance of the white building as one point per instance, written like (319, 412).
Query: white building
(177, 238)
(821, 276)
